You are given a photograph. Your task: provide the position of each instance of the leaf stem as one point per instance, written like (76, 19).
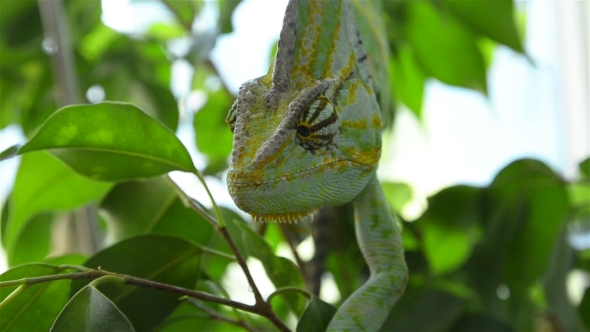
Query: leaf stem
(73, 267)
(107, 278)
(13, 295)
(286, 290)
(215, 207)
(192, 204)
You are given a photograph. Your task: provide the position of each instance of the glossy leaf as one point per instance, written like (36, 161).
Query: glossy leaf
(36, 307)
(585, 168)
(89, 310)
(316, 317)
(158, 102)
(451, 227)
(493, 19)
(136, 207)
(424, 310)
(226, 10)
(546, 198)
(344, 260)
(111, 142)
(444, 48)
(165, 259)
(584, 308)
(281, 271)
(67, 259)
(184, 11)
(33, 242)
(152, 207)
(407, 79)
(9, 153)
(480, 323)
(45, 184)
(210, 122)
(397, 194)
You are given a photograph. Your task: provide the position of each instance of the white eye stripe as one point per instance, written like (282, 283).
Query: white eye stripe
(320, 124)
(320, 113)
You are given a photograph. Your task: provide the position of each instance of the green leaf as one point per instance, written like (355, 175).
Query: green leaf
(494, 19)
(397, 194)
(210, 122)
(407, 79)
(547, 205)
(451, 227)
(345, 260)
(188, 318)
(444, 48)
(585, 168)
(33, 242)
(10, 152)
(36, 307)
(480, 323)
(45, 184)
(281, 271)
(111, 142)
(424, 310)
(89, 310)
(152, 207)
(165, 259)
(226, 10)
(316, 317)
(584, 308)
(158, 102)
(68, 259)
(164, 31)
(185, 11)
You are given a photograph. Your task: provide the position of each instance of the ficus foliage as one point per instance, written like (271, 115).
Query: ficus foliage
(491, 258)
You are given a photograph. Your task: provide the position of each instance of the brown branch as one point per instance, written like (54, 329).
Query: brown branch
(59, 46)
(260, 303)
(130, 280)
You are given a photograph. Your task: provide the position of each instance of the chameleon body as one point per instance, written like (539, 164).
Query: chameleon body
(308, 134)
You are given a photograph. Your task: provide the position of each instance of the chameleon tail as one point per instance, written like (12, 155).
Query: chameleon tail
(380, 242)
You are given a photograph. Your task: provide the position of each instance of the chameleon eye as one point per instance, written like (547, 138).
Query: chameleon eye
(318, 124)
(303, 130)
(230, 119)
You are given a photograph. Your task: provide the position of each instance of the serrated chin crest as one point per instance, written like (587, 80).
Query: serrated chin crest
(284, 218)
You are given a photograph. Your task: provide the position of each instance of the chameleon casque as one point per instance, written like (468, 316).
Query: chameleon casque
(308, 134)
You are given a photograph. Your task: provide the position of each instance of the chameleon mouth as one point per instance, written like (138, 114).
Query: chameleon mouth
(234, 176)
(296, 196)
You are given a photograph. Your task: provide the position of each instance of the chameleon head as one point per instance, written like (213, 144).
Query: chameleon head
(298, 150)
(307, 134)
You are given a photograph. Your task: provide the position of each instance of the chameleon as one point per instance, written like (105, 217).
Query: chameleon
(308, 134)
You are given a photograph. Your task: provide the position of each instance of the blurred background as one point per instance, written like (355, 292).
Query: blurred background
(473, 99)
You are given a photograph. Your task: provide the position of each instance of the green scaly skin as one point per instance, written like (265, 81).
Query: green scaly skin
(308, 134)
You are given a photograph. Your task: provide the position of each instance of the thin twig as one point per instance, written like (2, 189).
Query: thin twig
(260, 303)
(130, 280)
(264, 309)
(215, 207)
(286, 290)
